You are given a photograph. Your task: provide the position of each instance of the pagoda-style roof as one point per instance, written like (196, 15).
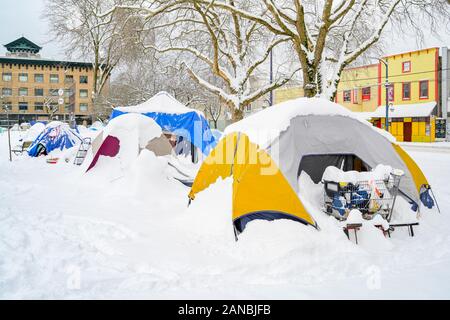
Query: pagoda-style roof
(22, 45)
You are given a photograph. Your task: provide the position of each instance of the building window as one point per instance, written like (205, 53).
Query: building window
(38, 106)
(7, 92)
(54, 78)
(23, 77)
(53, 92)
(406, 66)
(23, 106)
(67, 93)
(406, 90)
(347, 96)
(83, 107)
(365, 93)
(83, 79)
(23, 92)
(390, 92)
(39, 78)
(423, 89)
(83, 93)
(7, 76)
(38, 92)
(68, 79)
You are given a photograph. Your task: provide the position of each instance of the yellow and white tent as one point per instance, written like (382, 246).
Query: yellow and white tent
(266, 152)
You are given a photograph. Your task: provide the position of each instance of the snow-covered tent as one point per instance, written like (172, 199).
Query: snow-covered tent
(56, 136)
(266, 152)
(121, 142)
(35, 130)
(174, 117)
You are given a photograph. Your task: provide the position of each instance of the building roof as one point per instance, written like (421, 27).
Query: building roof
(44, 62)
(409, 52)
(405, 110)
(23, 45)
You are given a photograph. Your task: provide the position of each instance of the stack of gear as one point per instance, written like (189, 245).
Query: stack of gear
(375, 196)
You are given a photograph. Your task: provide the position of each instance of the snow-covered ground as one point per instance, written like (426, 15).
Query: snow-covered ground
(64, 234)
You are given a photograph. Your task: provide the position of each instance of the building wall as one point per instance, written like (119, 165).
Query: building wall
(411, 69)
(422, 129)
(351, 85)
(423, 67)
(46, 70)
(287, 93)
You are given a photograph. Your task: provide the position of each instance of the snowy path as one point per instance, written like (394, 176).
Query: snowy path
(65, 236)
(424, 148)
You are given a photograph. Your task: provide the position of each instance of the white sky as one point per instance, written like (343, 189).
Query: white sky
(23, 17)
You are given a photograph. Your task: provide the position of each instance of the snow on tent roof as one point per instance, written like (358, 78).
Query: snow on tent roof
(160, 102)
(265, 126)
(172, 116)
(405, 110)
(34, 131)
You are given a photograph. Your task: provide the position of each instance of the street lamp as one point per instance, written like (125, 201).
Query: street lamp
(386, 85)
(5, 107)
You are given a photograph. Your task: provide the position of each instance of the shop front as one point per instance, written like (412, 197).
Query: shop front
(409, 123)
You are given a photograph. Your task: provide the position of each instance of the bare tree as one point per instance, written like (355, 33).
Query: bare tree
(212, 41)
(328, 35)
(232, 48)
(214, 111)
(141, 76)
(51, 106)
(102, 40)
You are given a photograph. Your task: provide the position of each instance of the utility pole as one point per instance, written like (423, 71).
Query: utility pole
(386, 85)
(271, 76)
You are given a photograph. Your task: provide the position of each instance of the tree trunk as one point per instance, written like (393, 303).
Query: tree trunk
(309, 83)
(238, 114)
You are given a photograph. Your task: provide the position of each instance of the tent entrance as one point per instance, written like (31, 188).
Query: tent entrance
(315, 165)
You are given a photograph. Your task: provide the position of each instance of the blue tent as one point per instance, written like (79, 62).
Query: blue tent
(172, 116)
(56, 135)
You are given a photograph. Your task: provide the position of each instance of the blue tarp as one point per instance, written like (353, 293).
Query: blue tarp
(190, 125)
(55, 137)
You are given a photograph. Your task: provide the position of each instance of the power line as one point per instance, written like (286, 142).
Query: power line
(376, 85)
(396, 75)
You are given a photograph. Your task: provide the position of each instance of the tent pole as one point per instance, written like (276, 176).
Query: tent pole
(235, 233)
(435, 201)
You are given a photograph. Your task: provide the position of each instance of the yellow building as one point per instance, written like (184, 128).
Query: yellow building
(287, 93)
(358, 88)
(413, 95)
(412, 90)
(34, 89)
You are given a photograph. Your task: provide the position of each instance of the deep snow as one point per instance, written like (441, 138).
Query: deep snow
(66, 235)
